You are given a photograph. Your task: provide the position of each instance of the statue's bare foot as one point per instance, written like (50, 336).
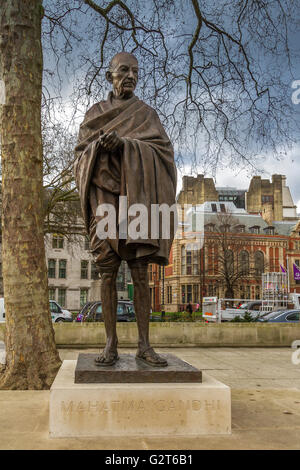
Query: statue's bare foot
(151, 358)
(107, 358)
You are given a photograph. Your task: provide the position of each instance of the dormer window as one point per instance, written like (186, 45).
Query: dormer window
(255, 229)
(269, 230)
(225, 228)
(240, 229)
(209, 227)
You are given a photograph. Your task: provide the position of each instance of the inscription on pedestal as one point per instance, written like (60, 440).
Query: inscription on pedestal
(129, 407)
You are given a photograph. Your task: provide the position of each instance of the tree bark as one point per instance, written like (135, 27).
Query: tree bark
(32, 358)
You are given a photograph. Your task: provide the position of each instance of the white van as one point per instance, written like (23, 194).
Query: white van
(295, 299)
(58, 314)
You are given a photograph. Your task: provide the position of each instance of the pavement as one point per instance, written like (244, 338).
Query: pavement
(265, 387)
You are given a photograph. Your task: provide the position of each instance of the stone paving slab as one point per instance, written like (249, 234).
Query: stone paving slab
(265, 406)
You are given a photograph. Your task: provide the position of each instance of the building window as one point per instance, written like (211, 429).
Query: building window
(240, 228)
(209, 227)
(183, 294)
(150, 274)
(214, 207)
(183, 260)
(57, 241)
(160, 275)
(248, 292)
(51, 268)
(189, 260)
(245, 292)
(257, 292)
(62, 272)
(62, 297)
(84, 270)
(228, 261)
(269, 230)
(255, 229)
(242, 292)
(212, 290)
(244, 263)
(225, 228)
(189, 293)
(52, 293)
(223, 207)
(259, 263)
(83, 297)
(196, 293)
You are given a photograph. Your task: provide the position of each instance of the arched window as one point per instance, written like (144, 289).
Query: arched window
(244, 262)
(228, 258)
(259, 263)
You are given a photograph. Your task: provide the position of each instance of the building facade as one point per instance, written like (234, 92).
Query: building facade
(263, 234)
(72, 275)
(245, 233)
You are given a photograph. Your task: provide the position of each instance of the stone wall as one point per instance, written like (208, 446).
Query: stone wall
(177, 334)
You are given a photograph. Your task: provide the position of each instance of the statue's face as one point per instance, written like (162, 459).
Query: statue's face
(123, 75)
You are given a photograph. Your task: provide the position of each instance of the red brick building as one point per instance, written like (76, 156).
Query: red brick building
(237, 244)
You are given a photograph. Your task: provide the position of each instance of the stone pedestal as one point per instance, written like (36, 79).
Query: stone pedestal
(137, 409)
(128, 369)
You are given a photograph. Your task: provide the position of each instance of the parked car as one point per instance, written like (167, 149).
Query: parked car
(59, 314)
(125, 312)
(288, 316)
(84, 310)
(252, 307)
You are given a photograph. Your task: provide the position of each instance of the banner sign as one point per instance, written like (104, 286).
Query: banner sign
(296, 272)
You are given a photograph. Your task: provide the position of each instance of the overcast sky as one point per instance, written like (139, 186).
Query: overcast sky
(239, 177)
(289, 165)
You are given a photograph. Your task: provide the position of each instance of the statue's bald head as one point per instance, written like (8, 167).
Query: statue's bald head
(123, 74)
(123, 57)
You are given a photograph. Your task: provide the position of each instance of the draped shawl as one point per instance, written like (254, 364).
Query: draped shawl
(143, 170)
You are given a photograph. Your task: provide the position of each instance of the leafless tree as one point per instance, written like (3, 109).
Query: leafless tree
(218, 72)
(231, 263)
(62, 213)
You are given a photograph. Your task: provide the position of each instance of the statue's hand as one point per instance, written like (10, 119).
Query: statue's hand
(111, 141)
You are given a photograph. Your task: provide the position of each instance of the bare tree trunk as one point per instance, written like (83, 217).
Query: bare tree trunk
(32, 358)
